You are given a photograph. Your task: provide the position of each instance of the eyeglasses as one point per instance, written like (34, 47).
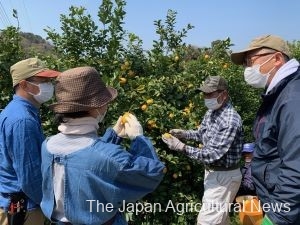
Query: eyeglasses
(250, 60)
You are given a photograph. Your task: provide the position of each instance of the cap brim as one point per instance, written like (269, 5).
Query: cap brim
(206, 89)
(48, 73)
(239, 57)
(247, 151)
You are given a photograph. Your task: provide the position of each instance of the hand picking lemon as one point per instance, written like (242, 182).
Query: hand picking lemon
(167, 135)
(124, 117)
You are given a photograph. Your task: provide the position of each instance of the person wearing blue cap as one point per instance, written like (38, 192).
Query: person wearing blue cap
(247, 185)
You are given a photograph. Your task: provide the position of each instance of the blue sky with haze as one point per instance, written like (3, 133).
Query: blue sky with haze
(213, 19)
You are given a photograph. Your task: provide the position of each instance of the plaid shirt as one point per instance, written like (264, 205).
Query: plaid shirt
(221, 133)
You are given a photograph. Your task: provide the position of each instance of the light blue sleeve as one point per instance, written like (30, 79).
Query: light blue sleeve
(110, 136)
(142, 173)
(25, 139)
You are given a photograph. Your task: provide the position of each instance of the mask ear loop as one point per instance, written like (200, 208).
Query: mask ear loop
(271, 70)
(267, 60)
(100, 117)
(268, 73)
(219, 97)
(34, 85)
(98, 112)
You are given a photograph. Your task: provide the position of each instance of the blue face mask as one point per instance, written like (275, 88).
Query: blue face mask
(212, 103)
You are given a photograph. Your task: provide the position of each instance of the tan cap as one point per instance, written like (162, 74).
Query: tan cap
(29, 68)
(213, 83)
(267, 41)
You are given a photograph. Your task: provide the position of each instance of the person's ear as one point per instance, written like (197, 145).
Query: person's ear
(23, 84)
(279, 59)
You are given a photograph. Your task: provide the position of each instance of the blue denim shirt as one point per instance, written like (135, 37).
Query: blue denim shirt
(104, 172)
(20, 151)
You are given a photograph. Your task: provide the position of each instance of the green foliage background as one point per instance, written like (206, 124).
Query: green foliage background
(167, 76)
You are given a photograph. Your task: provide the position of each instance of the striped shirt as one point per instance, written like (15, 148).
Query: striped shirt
(221, 134)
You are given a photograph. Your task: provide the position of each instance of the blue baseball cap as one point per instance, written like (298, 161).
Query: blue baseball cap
(248, 147)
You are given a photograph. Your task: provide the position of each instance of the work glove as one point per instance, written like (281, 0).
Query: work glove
(173, 143)
(181, 134)
(119, 128)
(133, 128)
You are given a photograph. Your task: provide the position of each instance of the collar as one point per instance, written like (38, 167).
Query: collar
(82, 125)
(286, 70)
(26, 103)
(220, 110)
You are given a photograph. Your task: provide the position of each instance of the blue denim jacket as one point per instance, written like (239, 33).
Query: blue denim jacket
(20, 151)
(104, 172)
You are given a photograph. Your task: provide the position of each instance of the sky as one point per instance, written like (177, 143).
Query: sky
(240, 20)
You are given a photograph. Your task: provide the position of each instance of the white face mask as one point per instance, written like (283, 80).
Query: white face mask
(45, 94)
(100, 116)
(212, 103)
(255, 78)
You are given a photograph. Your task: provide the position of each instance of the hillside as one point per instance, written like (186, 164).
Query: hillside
(36, 43)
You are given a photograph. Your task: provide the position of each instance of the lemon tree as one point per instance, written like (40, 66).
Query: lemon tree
(159, 86)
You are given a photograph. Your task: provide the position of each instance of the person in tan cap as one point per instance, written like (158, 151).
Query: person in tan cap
(275, 165)
(221, 135)
(86, 178)
(21, 137)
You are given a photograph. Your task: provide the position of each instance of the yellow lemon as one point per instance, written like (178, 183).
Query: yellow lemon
(126, 63)
(149, 101)
(131, 73)
(144, 107)
(171, 115)
(124, 117)
(151, 122)
(167, 135)
(123, 67)
(122, 80)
